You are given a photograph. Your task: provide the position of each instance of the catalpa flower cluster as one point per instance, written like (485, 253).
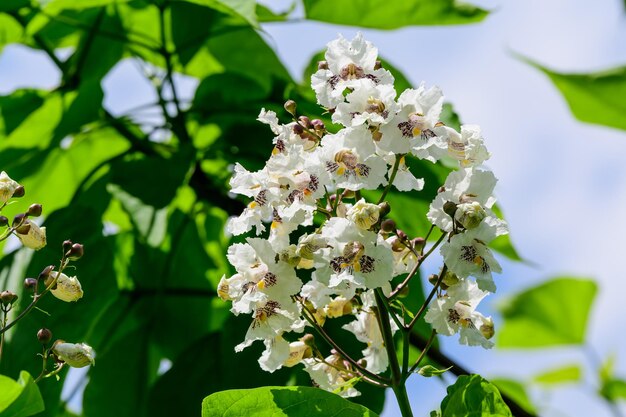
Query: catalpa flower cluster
(322, 249)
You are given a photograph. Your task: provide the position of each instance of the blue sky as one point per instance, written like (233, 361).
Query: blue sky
(562, 183)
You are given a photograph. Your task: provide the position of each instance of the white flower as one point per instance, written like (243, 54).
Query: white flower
(298, 350)
(331, 375)
(463, 186)
(275, 354)
(67, 289)
(76, 355)
(467, 253)
(468, 147)
(411, 129)
(405, 180)
(347, 62)
(349, 158)
(35, 238)
(368, 102)
(7, 187)
(366, 330)
(456, 313)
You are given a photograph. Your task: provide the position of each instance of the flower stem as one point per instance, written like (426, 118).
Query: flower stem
(392, 177)
(403, 400)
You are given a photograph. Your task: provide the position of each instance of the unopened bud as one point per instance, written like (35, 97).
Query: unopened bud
(401, 235)
(418, 243)
(318, 125)
(19, 220)
(362, 363)
(305, 122)
(441, 189)
(450, 279)
(378, 65)
(8, 297)
(433, 278)
(30, 283)
(298, 130)
(449, 208)
(404, 292)
(67, 245)
(290, 106)
(397, 245)
(308, 339)
(430, 370)
(19, 192)
(385, 208)
(75, 252)
(388, 226)
(487, 328)
(322, 65)
(45, 274)
(4, 221)
(44, 336)
(34, 210)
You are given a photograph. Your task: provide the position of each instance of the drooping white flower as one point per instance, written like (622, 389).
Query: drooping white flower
(7, 187)
(366, 330)
(67, 289)
(467, 147)
(35, 238)
(76, 355)
(332, 375)
(456, 312)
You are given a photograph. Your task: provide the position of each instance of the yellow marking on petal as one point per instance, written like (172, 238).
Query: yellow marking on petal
(341, 170)
(479, 260)
(275, 224)
(260, 285)
(252, 204)
(416, 131)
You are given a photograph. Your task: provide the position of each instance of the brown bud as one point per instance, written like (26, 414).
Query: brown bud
(46, 272)
(67, 245)
(75, 252)
(19, 192)
(441, 189)
(385, 208)
(397, 245)
(19, 219)
(318, 125)
(322, 65)
(418, 243)
(4, 221)
(378, 65)
(388, 226)
(449, 208)
(432, 278)
(34, 210)
(290, 106)
(30, 284)
(8, 297)
(305, 121)
(44, 336)
(401, 235)
(298, 130)
(362, 363)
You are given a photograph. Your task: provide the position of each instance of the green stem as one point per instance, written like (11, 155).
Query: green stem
(392, 177)
(5, 315)
(403, 400)
(424, 351)
(385, 329)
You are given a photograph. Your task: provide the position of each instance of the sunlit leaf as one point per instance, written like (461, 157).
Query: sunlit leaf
(561, 375)
(21, 398)
(472, 395)
(516, 391)
(553, 313)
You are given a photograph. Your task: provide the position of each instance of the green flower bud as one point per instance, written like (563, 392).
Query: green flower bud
(290, 106)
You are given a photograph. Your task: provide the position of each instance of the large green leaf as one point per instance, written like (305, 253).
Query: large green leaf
(516, 391)
(10, 30)
(553, 313)
(281, 401)
(473, 396)
(598, 97)
(381, 14)
(21, 398)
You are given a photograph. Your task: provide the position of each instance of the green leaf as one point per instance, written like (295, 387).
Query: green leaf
(380, 14)
(473, 396)
(598, 98)
(10, 30)
(613, 389)
(281, 401)
(561, 375)
(430, 370)
(264, 14)
(244, 8)
(21, 398)
(515, 391)
(10, 5)
(551, 314)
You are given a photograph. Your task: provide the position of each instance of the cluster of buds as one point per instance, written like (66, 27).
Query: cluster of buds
(50, 279)
(329, 252)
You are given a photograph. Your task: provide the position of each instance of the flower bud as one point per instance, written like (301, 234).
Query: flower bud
(19, 221)
(429, 370)
(449, 208)
(67, 289)
(305, 122)
(362, 363)
(470, 214)
(8, 188)
(450, 279)
(35, 238)
(19, 192)
(433, 278)
(418, 243)
(290, 106)
(401, 235)
(75, 252)
(365, 215)
(44, 336)
(298, 350)
(378, 65)
(8, 297)
(67, 245)
(4, 221)
(385, 208)
(322, 65)
(45, 274)
(34, 210)
(388, 226)
(487, 328)
(76, 355)
(298, 130)
(397, 245)
(318, 125)
(308, 339)
(30, 284)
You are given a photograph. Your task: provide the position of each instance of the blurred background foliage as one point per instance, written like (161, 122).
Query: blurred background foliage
(146, 192)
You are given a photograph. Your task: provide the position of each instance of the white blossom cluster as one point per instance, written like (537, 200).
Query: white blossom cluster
(302, 271)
